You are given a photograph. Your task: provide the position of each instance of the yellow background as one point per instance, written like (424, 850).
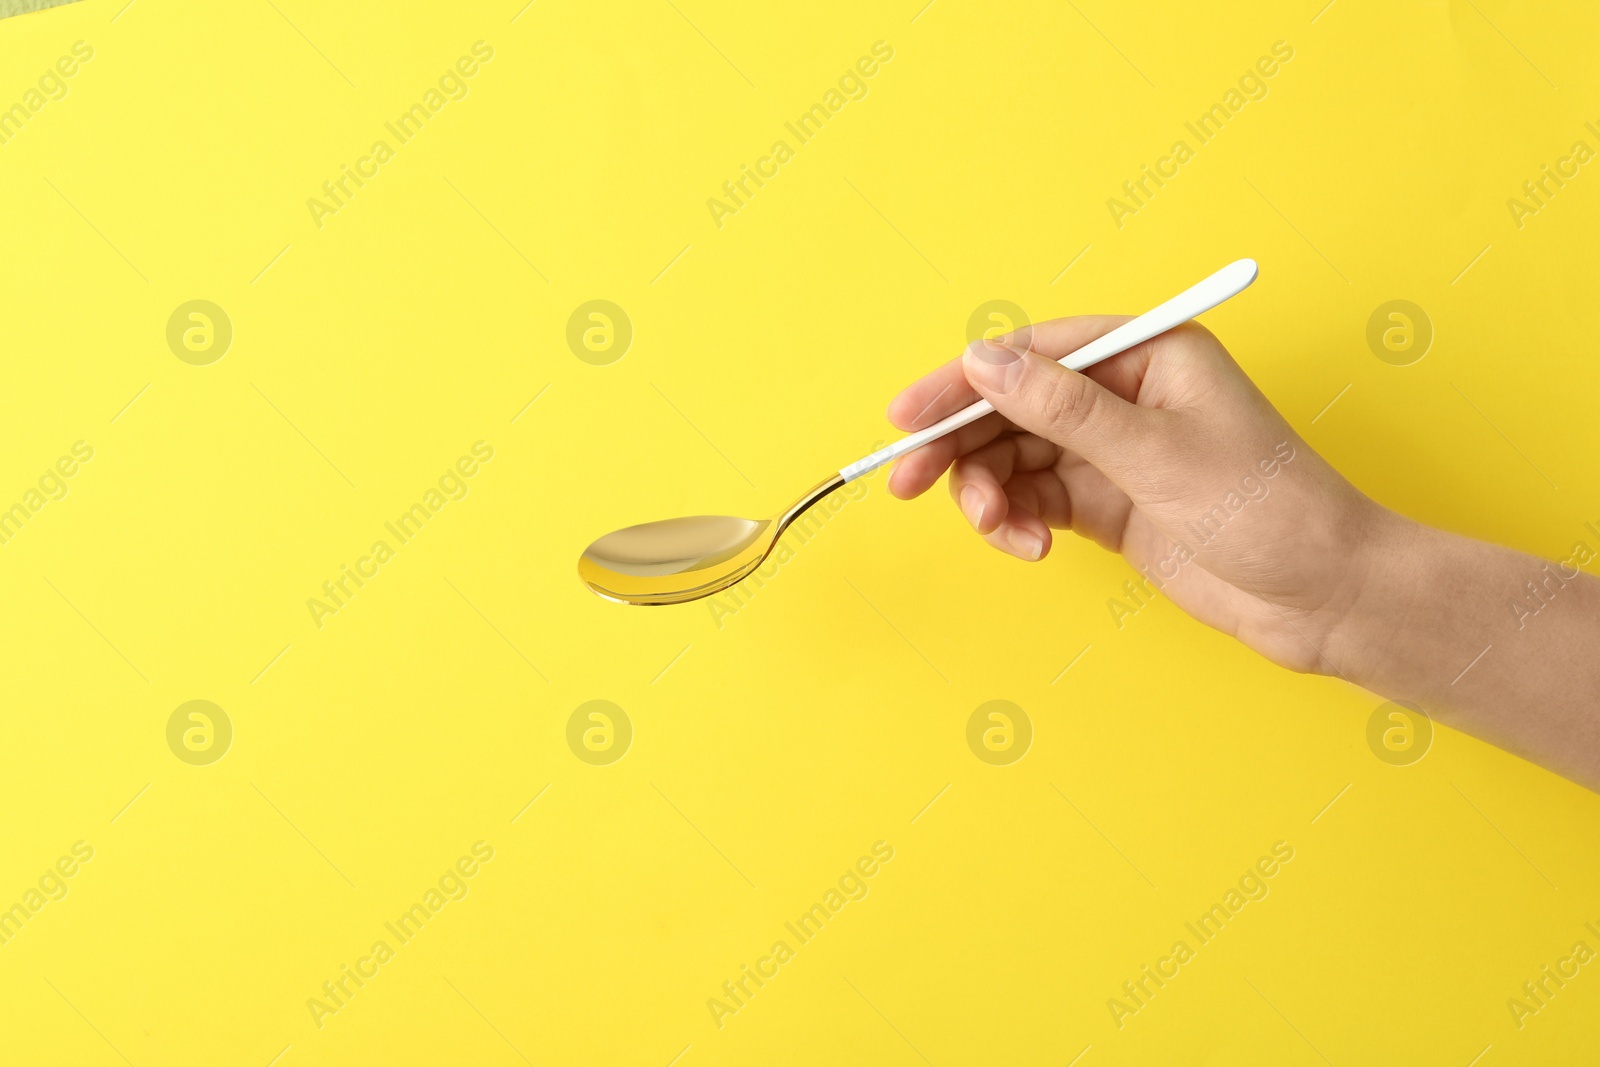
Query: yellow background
(770, 751)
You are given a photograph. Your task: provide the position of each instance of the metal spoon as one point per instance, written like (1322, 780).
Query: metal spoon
(677, 560)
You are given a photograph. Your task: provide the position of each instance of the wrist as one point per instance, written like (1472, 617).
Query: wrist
(1388, 595)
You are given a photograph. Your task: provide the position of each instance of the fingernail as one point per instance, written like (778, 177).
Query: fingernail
(972, 506)
(992, 366)
(1029, 545)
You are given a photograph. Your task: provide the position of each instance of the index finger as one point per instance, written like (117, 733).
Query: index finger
(931, 397)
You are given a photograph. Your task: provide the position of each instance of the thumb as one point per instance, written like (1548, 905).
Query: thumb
(1064, 407)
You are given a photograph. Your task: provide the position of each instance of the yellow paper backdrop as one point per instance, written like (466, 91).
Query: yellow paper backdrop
(772, 741)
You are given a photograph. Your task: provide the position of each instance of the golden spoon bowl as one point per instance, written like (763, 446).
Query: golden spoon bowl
(673, 561)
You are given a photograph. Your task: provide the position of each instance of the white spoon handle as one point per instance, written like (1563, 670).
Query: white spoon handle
(1227, 282)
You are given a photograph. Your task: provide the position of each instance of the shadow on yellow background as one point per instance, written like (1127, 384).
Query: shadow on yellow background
(308, 412)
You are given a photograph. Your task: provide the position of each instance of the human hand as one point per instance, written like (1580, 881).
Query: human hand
(1167, 453)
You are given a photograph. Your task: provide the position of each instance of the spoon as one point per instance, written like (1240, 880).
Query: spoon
(673, 561)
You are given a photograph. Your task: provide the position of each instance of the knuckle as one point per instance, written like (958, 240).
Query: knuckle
(1066, 403)
(1194, 330)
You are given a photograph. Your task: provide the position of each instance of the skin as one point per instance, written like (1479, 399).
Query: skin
(1297, 563)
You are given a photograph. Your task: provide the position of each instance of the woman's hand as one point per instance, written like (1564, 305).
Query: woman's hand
(1166, 453)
